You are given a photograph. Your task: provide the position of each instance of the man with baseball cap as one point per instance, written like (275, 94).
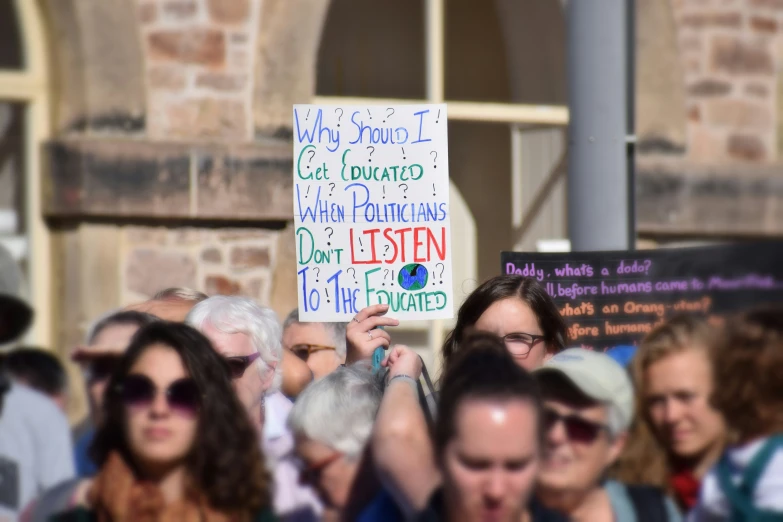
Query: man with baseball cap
(588, 408)
(35, 439)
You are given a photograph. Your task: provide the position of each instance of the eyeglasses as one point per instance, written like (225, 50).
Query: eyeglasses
(303, 351)
(100, 368)
(182, 395)
(577, 428)
(311, 474)
(237, 365)
(520, 343)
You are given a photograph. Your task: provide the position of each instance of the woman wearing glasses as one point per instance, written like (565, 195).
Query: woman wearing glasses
(175, 443)
(514, 308)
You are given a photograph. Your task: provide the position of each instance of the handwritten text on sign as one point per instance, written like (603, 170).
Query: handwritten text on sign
(371, 206)
(615, 298)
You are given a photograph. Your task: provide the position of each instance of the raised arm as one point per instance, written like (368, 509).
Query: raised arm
(401, 445)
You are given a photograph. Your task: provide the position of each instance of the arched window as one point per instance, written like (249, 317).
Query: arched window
(24, 122)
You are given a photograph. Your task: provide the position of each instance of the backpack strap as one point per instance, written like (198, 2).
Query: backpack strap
(740, 496)
(649, 503)
(760, 461)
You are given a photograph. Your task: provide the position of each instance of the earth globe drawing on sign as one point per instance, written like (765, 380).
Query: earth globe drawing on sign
(413, 277)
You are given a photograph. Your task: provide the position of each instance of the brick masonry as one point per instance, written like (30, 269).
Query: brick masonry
(198, 68)
(730, 52)
(213, 260)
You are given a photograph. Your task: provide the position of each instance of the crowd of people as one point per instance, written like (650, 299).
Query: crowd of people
(207, 408)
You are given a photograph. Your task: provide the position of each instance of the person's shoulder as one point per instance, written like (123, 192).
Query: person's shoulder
(26, 402)
(265, 515)
(77, 514)
(56, 499)
(541, 513)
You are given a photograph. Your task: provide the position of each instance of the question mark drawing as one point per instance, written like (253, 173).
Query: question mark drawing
(353, 274)
(386, 250)
(317, 273)
(434, 159)
(330, 231)
(385, 274)
(647, 264)
(404, 188)
(442, 269)
(311, 152)
(371, 149)
(340, 116)
(389, 114)
(331, 188)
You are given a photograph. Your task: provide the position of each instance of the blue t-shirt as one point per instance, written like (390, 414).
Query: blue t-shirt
(85, 467)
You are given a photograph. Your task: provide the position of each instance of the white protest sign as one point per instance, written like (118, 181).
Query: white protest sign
(371, 207)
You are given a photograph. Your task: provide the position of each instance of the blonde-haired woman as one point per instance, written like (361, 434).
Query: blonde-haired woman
(677, 435)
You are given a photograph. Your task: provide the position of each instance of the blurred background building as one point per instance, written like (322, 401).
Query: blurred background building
(147, 143)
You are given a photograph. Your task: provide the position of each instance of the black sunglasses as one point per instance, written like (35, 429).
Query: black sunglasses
(182, 395)
(237, 365)
(100, 368)
(577, 428)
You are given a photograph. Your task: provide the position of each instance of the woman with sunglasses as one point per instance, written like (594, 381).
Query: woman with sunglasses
(175, 443)
(588, 407)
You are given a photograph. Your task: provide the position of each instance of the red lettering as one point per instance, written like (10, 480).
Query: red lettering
(374, 260)
(393, 244)
(416, 244)
(401, 232)
(372, 244)
(431, 241)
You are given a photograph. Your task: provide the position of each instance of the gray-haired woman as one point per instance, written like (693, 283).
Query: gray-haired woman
(332, 421)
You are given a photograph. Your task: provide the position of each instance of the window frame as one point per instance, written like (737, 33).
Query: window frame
(29, 85)
(517, 115)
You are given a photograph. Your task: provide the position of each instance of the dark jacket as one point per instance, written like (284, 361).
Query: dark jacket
(81, 514)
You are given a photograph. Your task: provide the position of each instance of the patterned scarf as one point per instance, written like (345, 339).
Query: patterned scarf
(117, 495)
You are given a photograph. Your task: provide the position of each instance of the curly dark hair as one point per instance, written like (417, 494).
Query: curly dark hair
(748, 364)
(505, 287)
(226, 463)
(482, 369)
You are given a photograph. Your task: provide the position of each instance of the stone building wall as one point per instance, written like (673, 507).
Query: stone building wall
(170, 158)
(730, 56)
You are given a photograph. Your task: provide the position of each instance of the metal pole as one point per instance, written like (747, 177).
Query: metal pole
(630, 96)
(597, 177)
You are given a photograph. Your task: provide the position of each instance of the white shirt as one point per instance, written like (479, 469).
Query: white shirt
(292, 500)
(35, 448)
(768, 495)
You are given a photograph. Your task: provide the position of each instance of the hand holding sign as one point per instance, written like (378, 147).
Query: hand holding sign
(363, 335)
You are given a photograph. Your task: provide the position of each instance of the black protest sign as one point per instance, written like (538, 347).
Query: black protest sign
(614, 298)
